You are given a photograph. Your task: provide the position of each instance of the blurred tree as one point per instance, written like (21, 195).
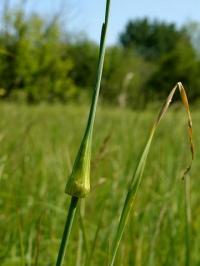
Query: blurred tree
(151, 39)
(181, 64)
(125, 76)
(193, 30)
(36, 60)
(84, 54)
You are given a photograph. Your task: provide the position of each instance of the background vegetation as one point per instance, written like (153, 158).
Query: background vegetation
(38, 146)
(40, 61)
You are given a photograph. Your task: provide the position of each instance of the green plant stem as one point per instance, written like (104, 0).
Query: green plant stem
(81, 234)
(67, 230)
(187, 220)
(79, 182)
(87, 138)
(91, 118)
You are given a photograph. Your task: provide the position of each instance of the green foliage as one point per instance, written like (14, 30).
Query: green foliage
(171, 50)
(124, 77)
(152, 40)
(84, 54)
(180, 64)
(37, 63)
(193, 30)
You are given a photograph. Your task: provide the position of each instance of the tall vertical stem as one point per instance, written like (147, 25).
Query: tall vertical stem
(67, 230)
(187, 220)
(87, 139)
(102, 49)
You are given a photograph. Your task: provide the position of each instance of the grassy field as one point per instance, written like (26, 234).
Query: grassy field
(37, 148)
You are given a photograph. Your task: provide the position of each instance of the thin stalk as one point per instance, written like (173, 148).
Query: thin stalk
(82, 228)
(81, 235)
(94, 242)
(79, 249)
(102, 50)
(23, 262)
(187, 220)
(78, 185)
(67, 230)
(130, 198)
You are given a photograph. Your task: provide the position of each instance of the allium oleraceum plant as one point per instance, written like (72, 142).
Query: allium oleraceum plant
(78, 184)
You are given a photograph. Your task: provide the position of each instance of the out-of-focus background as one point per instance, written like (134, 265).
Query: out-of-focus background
(49, 50)
(48, 62)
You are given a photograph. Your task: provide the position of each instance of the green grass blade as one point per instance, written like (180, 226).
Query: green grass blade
(137, 177)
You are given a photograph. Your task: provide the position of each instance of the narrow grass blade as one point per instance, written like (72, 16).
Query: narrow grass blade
(156, 234)
(137, 177)
(90, 256)
(82, 239)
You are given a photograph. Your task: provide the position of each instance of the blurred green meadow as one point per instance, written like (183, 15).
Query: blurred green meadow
(38, 145)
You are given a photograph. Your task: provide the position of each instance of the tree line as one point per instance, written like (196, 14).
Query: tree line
(39, 61)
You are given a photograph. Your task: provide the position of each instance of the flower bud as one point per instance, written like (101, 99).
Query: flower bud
(78, 184)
